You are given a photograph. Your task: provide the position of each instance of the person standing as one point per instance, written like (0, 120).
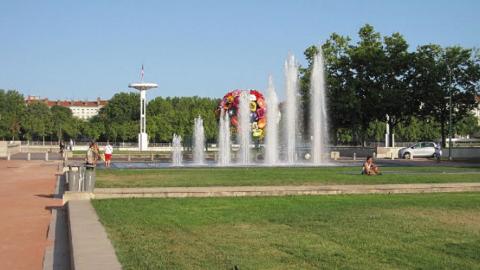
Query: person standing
(108, 154)
(92, 156)
(62, 148)
(438, 153)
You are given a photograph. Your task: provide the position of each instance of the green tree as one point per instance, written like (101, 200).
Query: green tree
(12, 109)
(441, 73)
(467, 126)
(64, 124)
(166, 116)
(93, 129)
(118, 120)
(37, 121)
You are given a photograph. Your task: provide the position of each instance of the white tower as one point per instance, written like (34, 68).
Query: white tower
(143, 87)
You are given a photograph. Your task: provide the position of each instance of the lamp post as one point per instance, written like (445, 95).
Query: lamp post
(450, 114)
(450, 128)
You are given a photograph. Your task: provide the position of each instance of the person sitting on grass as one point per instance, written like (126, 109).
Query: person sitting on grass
(369, 168)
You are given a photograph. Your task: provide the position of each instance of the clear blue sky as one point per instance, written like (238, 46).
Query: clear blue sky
(85, 49)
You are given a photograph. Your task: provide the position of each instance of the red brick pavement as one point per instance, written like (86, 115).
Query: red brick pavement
(26, 189)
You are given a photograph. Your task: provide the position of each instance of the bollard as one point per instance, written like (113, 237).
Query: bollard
(46, 156)
(354, 156)
(28, 156)
(8, 156)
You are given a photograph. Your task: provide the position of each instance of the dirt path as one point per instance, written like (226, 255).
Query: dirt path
(26, 189)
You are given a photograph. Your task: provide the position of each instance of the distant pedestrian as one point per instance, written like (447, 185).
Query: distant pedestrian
(71, 145)
(108, 154)
(62, 148)
(438, 153)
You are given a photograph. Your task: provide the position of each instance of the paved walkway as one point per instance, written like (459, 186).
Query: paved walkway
(176, 192)
(26, 190)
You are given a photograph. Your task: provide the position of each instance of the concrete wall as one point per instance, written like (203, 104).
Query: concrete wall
(9, 147)
(386, 152)
(463, 152)
(3, 149)
(348, 151)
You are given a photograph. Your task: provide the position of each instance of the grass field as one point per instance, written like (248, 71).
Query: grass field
(186, 177)
(422, 231)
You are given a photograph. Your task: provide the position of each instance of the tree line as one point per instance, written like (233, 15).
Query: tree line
(366, 80)
(118, 121)
(376, 76)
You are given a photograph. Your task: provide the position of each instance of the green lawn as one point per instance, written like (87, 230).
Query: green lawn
(169, 177)
(421, 231)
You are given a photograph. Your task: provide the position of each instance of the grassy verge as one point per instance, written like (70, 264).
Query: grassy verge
(427, 231)
(280, 176)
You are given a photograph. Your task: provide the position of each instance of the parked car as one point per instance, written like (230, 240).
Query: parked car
(421, 149)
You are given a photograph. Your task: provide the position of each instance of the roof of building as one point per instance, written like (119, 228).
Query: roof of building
(66, 103)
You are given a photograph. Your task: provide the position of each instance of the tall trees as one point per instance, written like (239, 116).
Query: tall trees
(444, 72)
(166, 116)
(118, 119)
(12, 109)
(64, 124)
(343, 103)
(37, 122)
(378, 76)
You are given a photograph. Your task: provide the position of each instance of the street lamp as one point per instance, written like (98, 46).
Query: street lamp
(450, 114)
(449, 125)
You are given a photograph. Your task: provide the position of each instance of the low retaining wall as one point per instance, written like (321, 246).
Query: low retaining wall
(7, 147)
(464, 152)
(90, 247)
(348, 151)
(181, 192)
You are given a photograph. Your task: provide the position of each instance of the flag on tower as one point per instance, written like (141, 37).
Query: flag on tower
(142, 73)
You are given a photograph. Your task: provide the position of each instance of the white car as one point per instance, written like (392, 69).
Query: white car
(421, 149)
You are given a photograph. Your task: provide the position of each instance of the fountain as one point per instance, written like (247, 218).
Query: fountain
(244, 128)
(252, 116)
(224, 140)
(199, 142)
(271, 138)
(291, 108)
(177, 150)
(318, 112)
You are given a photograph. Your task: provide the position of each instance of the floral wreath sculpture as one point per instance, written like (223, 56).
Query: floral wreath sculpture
(230, 104)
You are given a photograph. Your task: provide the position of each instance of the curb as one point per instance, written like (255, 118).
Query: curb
(238, 191)
(90, 247)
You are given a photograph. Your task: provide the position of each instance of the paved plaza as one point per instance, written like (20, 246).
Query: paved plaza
(26, 190)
